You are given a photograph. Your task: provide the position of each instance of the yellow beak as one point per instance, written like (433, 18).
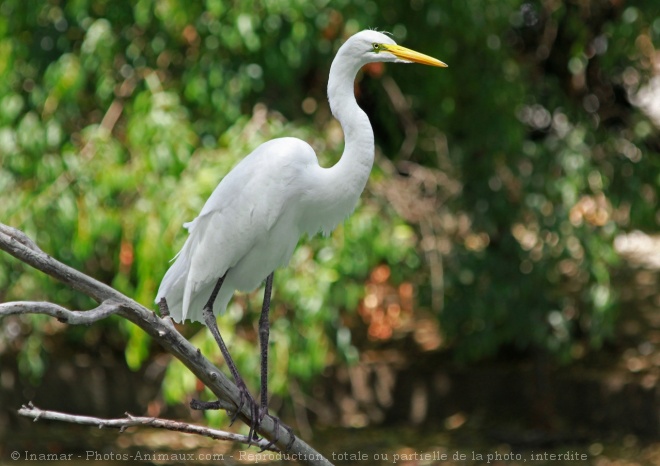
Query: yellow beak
(410, 55)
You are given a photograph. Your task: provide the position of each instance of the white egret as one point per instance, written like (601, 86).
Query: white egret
(254, 218)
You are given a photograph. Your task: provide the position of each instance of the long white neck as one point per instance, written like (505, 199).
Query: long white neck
(333, 192)
(358, 156)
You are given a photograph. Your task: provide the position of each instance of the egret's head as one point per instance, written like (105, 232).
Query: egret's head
(373, 46)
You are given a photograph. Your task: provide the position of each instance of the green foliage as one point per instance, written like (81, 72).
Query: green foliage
(550, 178)
(117, 120)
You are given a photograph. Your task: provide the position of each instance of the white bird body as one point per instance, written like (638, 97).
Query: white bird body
(250, 226)
(253, 220)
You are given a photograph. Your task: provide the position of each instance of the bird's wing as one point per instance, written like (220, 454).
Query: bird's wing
(239, 213)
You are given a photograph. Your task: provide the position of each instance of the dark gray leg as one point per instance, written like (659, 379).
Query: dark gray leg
(212, 324)
(264, 333)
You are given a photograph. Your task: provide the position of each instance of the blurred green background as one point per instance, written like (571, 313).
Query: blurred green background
(492, 233)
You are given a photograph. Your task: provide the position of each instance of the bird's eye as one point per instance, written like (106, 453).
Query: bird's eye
(376, 47)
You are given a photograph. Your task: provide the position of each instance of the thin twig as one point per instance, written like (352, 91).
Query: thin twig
(122, 424)
(105, 309)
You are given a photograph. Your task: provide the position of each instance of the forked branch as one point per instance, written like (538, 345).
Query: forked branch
(162, 330)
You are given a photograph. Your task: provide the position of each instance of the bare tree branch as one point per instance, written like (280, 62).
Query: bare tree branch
(122, 424)
(17, 244)
(105, 309)
(19, 236)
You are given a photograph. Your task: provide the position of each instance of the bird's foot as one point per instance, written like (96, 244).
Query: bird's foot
(263, 412)
(255, 419)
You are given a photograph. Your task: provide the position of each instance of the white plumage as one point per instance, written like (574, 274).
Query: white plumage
(252, 221)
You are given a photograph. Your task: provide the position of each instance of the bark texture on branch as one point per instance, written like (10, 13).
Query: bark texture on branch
(105, 309)
(122, 424)
(17, 244)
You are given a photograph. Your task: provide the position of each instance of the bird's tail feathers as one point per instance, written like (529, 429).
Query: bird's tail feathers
(185, 296)
(173, 285)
